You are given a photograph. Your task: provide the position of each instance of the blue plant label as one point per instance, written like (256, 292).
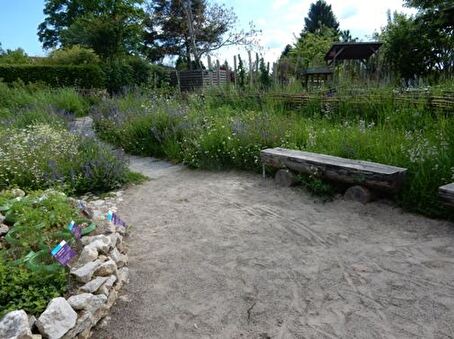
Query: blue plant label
(115, 219)
(75, 229)
(63, 253)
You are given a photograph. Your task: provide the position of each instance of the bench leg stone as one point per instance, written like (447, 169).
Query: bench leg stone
(285, 178)
(358, 193)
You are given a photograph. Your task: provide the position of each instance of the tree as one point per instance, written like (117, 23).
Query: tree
(107, 26)
(191, 29)
(310, 51)
(74, 55)
(17, 56)
(405, 47)
(320, 15)
(420, 45)
(345, 36)
(286, 51)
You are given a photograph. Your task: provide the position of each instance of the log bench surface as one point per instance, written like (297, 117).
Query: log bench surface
(446, 193)
(371, 174)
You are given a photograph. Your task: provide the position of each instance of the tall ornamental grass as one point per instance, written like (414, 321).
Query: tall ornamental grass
(228, 130)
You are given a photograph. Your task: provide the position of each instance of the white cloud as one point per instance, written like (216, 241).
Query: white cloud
(282, 20)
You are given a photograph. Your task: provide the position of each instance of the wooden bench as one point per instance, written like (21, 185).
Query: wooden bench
(446, 194)
(352, 172)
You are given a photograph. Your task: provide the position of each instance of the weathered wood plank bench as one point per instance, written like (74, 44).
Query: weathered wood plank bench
(446, 194)
(353, 172)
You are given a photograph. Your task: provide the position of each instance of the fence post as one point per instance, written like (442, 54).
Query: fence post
(250, 67)
(234, 69)
(218, 72)
(256, 67)
(178, 80)
(210, 75)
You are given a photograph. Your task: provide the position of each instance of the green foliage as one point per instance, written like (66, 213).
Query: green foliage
(317, 186)
(422, 45)
(265, 78)
(320, 16)
(15, 57)
(217, 131)
(191, 30)
(30, 291)
(108, 27)
(87, 76)
(311, 48)
(74, 55)
(42, 156)
(37, 223)
(24, 105)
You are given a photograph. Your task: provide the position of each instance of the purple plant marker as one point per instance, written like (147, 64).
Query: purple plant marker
(75, 229)
(63, 253)
(115, 219)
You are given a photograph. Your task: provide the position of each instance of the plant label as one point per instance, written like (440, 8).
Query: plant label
(63, 253)
(75, 229)
(115, 219)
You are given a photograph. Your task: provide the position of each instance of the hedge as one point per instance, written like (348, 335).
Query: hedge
(87, 76)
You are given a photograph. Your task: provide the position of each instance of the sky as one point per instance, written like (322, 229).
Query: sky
(279, 20)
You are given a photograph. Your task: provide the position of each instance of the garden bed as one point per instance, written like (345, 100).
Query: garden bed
(33, 285)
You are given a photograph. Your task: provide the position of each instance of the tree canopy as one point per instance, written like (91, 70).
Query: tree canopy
(320, 15)
(191, 29)
(107, 26)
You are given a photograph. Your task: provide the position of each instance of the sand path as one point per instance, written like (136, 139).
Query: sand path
(231, 255)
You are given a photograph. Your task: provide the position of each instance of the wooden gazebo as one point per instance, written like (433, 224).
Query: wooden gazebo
(317, 76)
(361, 51)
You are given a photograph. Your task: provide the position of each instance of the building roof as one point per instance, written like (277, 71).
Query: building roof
(317, 71)
(352, 50)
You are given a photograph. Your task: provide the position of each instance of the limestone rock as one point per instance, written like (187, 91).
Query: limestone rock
(123, 277)
(115, 239)
(94, 285)
(85, 273)
(107, 268)
(87, 301)
(87, 255)
(57, 319)
(15, 325)
(17, 193)
(101, 243)
(3, 229)
(120, 259)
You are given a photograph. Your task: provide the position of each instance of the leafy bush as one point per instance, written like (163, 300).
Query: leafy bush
(87, 76)
(21, 288)
(42, 156)
(74, 55)
(37, 223)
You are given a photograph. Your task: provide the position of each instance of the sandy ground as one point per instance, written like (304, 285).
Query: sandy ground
(231, 255)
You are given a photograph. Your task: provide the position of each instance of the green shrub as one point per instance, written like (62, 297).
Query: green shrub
(30, 291)
(42, 156)
(202, 132)
(38, 222)
(74, 55)
(87, 76)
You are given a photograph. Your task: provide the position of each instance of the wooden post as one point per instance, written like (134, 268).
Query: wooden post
(178, 80)
(256, 66)
(210, 75)
(275, 72)
(209, 63)
(234, 69)
(218, 72)
(250, 67)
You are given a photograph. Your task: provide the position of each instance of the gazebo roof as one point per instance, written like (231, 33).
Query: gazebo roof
(352, 50)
